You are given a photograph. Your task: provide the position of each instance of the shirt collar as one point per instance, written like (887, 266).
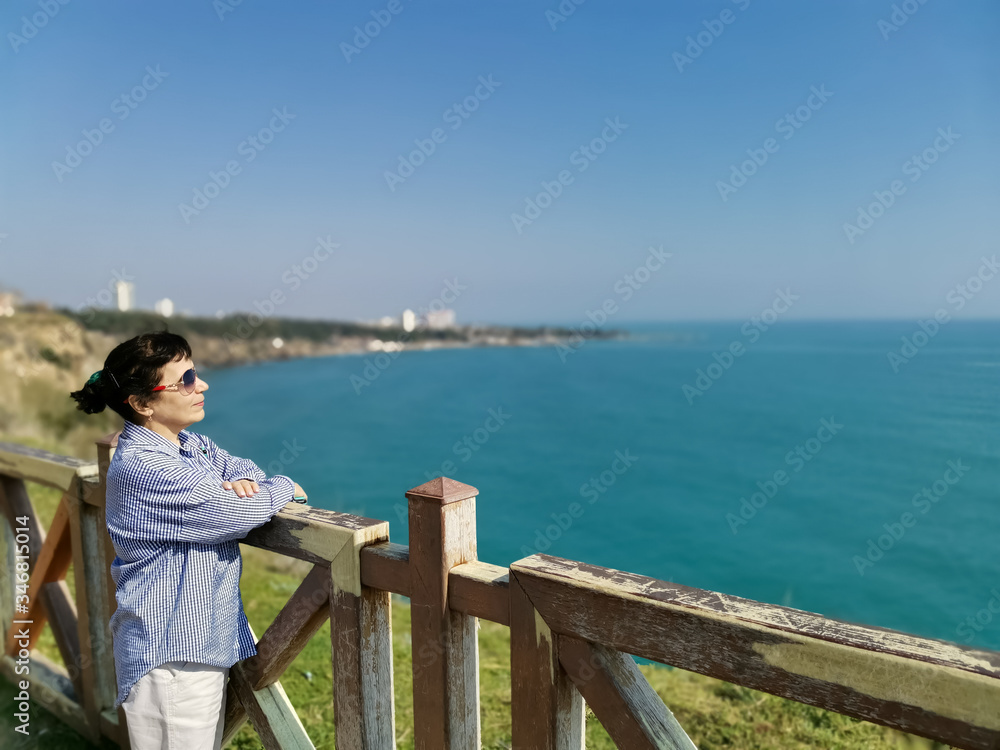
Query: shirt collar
(135, 434)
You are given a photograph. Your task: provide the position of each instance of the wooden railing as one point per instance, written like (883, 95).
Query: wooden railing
(573, 627)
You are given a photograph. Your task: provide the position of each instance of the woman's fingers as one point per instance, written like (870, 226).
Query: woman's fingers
(242, 487)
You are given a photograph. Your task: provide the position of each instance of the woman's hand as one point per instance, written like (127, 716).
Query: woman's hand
(299, 492)
(242, 487)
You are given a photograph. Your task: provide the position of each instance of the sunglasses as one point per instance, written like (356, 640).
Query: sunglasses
(185, 385)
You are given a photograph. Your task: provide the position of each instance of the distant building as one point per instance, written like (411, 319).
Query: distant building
(440, 318)
(164, 307)
(9, 302)
(387, 321)
(126, 295)
(409, 320)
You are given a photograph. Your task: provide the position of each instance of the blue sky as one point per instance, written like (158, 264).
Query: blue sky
(69, 229)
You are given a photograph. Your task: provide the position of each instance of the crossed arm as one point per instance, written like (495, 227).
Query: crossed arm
(162, 499)
(240, 474)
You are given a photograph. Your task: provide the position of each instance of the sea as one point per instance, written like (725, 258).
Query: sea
(850, 469)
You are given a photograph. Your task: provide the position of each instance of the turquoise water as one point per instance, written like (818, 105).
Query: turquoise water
(671, 508)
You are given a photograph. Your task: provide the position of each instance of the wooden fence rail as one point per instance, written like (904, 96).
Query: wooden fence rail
(574, 628)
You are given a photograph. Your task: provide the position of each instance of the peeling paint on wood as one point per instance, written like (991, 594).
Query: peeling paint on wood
(36, 465)
(838, 666)
(97, 665)
(322, 536)
(361, 650)
(442, 524)
(386, 566)
(971, 698)
(547, 710)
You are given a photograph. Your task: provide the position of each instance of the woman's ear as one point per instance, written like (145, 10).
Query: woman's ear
(133, 401)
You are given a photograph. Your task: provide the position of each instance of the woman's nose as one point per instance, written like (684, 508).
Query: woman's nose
(202, 385)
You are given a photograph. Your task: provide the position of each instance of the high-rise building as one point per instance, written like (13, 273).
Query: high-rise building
(126, 295)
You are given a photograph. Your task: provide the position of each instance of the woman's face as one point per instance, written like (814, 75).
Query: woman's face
(173, 408)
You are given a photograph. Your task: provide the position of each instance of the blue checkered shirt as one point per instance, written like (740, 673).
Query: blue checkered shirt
(176, 534)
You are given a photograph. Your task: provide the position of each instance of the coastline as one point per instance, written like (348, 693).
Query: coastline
(237, 339)
(211, 354)
(47, 354)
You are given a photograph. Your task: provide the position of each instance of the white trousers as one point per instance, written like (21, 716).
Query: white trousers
(179, 705)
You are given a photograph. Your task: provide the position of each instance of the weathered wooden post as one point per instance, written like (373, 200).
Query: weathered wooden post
(361, 649)
(547, 710)
(445, 643)
(101, 602)
(7, 570)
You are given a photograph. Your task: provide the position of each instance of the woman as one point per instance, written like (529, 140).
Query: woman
(177, 505)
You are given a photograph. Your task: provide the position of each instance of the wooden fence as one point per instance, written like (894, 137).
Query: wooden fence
(572, 629)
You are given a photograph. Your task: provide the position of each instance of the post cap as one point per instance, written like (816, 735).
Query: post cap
(442, 491)
(110, 439)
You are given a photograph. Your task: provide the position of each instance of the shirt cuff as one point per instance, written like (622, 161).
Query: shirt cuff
(280, 489)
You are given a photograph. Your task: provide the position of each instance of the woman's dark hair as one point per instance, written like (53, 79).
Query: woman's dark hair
(132, 368)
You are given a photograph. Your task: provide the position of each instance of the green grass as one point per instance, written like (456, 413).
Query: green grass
(715, 714)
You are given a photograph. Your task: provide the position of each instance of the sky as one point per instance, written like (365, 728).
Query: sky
(521, 162)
